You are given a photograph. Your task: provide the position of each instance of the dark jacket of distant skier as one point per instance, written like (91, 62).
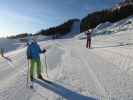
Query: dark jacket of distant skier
(88, 43)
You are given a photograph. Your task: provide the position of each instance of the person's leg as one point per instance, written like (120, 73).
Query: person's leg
(89, 43)
(38, 67)
(32, 69)
(39, 70)
(2, 52)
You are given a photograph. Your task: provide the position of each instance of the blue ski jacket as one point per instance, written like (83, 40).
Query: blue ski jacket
(34, 50)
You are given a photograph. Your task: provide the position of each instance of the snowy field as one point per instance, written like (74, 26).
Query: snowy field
(104, 72)
(10, 44)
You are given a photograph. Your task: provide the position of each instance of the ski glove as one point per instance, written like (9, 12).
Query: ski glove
(44, 50)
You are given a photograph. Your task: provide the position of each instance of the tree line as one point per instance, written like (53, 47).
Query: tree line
(111, 15)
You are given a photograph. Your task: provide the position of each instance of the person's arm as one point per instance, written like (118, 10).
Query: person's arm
(28, 53)
(44, 50)
(41, 51)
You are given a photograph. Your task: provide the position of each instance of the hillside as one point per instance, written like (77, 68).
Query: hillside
(59, 30)
(116, 13)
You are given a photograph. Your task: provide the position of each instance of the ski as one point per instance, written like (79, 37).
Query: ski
(47, 81)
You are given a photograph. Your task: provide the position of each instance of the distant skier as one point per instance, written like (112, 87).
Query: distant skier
(2, 52)
(88, 42)
(33, 56)
(2, 55)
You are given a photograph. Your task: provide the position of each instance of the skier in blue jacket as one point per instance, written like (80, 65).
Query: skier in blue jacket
(33, 56)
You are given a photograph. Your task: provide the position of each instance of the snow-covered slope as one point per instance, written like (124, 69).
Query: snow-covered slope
(75, 30)
(104, 72)
(108, 28)
(102, 26)
(10, 44)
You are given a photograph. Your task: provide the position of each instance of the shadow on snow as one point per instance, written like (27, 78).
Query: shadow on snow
(62, 91)
(114, 45)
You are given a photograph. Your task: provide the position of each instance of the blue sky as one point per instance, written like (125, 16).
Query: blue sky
(18, 16)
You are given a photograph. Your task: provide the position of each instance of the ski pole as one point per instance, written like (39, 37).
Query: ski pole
(28, 73)
(46, 65)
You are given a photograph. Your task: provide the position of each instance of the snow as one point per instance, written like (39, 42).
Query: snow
(10, 44)
(102, 25)
(104, 72)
